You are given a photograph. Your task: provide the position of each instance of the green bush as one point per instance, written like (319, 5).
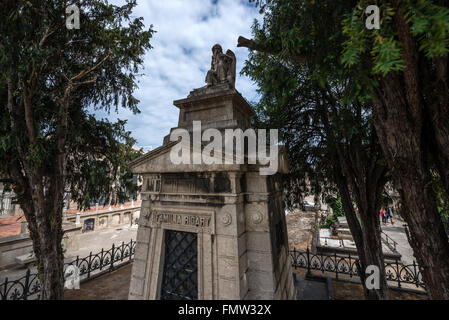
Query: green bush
(337, 211)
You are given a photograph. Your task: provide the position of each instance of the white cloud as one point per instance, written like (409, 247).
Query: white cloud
(186, 32)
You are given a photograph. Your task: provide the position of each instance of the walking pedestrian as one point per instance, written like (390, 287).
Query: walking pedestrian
(390, 215)
(383, 214)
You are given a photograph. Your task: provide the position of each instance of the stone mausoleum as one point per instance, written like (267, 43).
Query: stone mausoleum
(213, 231)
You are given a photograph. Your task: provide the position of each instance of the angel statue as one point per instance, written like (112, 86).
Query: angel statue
(222, 68)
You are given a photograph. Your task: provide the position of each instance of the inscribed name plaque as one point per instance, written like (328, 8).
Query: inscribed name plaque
(184, 220)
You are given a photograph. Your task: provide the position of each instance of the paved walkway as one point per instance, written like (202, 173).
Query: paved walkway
(96, 240)
(88, 242)
(310, 289)
(111, 286)
(397, 233)
(115, 286)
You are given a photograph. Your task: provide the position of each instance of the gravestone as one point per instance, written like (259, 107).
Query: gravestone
(211, 231)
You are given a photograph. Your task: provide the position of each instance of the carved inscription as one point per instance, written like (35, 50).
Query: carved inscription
(183, 219)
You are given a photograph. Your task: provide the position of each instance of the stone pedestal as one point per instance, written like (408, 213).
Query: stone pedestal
(228, 218)
(78, 219)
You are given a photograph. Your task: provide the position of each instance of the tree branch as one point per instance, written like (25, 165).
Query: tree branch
(86, 82)
(11, 103)
(253, 45)
(46, 35)
(84, 73)
(28, 113)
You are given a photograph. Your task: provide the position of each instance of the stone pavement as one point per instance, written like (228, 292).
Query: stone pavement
(115, 286)
(96, 240)
(111, 286)
(354, 291)
(89, 242)
(307, 289)
(396, 231)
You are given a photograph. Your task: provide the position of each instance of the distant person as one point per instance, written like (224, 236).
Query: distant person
(383, 214)
(390, 215)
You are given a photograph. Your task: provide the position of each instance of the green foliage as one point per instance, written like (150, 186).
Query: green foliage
(444, 210)
(304, 85)
(337, 208)
(92, 68)
(102, 172)
(387, 56)
(429, 24)
(337, 211)
(441, 196)
(320, 88)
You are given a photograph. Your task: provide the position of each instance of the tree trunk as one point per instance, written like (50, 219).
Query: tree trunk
(354, 225)
(428, 238)
(366, 237)
(52, 272)
(401, 137)
(367, 187)
(373, 250)
(356, 230)
(46, 233)
(437, 112)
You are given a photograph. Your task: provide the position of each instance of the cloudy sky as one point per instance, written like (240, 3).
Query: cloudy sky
(180, 58)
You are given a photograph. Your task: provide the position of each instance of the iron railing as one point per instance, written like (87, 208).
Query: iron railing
(91, 266)
(389, 241)
(396, 273)
(94, 265)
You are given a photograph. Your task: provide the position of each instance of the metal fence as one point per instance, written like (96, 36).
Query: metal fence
(91, 266)
(396, 273)
(94, 265)
(388, 241)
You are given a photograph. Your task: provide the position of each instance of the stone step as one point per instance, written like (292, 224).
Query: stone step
(342, 222)
(26, 259)
(325, 233)
(343, 231)
(345, 236)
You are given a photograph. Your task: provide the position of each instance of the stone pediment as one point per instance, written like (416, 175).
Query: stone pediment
(159, 161)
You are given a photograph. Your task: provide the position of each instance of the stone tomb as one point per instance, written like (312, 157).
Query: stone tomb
(210, 231)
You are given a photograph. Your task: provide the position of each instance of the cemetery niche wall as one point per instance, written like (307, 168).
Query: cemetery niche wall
(213, 231)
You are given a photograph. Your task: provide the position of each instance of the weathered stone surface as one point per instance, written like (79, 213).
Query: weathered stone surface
(236, 213)
(137, 287)
(301, 229)
(259, 241)
(26, 258)
(260, 261)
